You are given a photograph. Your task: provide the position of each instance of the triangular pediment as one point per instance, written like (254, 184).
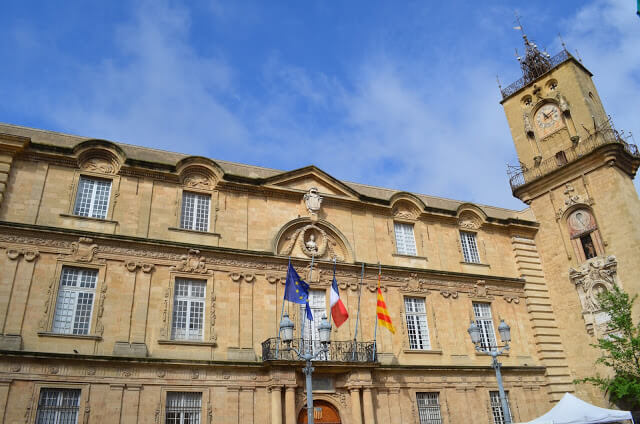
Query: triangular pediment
(309, 177)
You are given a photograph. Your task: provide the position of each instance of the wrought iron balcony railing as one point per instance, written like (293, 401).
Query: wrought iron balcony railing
(519, 176)
(274, 349)
(553, 62)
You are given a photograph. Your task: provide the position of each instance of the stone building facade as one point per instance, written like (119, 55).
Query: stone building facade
(142, 286)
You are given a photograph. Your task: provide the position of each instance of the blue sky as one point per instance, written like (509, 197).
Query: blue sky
(396, 94)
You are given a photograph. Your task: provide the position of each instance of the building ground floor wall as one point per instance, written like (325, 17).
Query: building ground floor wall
(133, 390)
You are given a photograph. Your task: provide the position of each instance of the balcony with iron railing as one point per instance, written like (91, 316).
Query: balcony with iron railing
(521, 175)
(275, 349)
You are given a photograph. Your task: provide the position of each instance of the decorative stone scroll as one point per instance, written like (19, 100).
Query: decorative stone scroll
(29, 254)
(132, 266)
(595, 276)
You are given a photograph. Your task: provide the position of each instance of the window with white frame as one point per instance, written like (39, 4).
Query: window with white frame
(496, 407)
(484, 320)
(469, 247)
(416, 318)
(58, 406)
(92, 198)
(75, 300)
(195, 211)
(405, 240)
(429, 408)
(188, 309)
(183, 408)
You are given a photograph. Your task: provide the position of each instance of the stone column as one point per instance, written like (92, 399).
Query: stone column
(355, 405)
(290, 405)
(367, 406)
(395, 411)
(276, 405)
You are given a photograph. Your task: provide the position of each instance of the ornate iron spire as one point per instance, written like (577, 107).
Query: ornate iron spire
(535, 62)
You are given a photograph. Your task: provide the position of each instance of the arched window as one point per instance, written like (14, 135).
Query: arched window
(584, 234)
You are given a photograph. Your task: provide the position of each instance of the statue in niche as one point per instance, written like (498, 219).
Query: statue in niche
(311, 244)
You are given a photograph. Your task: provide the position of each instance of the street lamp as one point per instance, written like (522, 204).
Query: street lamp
(494, 352)
(324, 332)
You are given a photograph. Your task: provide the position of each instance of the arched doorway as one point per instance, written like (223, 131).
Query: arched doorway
(323, 413)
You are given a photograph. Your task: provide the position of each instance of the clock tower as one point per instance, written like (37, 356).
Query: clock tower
(576, 172)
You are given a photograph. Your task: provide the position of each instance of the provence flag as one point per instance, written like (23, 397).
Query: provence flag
(297, 291)
(381, 310)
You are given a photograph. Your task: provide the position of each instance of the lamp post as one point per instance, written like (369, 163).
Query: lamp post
(324, 331)
(494, 352)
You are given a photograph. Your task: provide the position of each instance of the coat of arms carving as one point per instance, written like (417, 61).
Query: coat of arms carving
(313, 200)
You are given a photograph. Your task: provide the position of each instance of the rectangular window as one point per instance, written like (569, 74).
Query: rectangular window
(195, 211)
(469, 247)
(416, 317)
(429, 408)
(92, 198)
(183, 408)
(496, 407)
(75, 301)
(58, 406)
(188, 309)
(482, 312)
(405, 241)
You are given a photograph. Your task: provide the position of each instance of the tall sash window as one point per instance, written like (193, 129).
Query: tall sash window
(75, 301)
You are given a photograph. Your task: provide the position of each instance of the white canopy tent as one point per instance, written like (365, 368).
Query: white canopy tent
(571, 410)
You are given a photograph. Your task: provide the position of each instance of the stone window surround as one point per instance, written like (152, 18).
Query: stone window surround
(84, 392)
(209, 337)
(178, 211)
(431, 327)
(416, 235)
(113, 194)
(478, 244)
(53, 298)
(427, 336)
(204, 406)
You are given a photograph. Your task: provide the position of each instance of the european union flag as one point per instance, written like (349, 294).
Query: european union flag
(297, 291)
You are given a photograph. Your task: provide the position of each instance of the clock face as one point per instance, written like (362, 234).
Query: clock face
(547, 116)
(548, 119)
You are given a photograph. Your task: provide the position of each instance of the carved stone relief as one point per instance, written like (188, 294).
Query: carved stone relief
(192, 262)
(469, 220)
(132, 266)
(405, 211)
(83, 250)
(595, 276)
(98, 165)
(313, 200)
(571, 198)
(580, 222)
(480, 290)
(311, 240)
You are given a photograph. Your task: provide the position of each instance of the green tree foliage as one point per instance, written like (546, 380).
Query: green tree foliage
(620, 349)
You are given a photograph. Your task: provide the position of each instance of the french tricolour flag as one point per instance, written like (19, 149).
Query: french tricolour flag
(338, 311)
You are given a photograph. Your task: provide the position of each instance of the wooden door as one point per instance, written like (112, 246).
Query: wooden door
(323, 413)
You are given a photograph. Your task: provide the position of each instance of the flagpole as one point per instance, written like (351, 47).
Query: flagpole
(304, 315)
(375, 329)
(281, 314)
(355, 336)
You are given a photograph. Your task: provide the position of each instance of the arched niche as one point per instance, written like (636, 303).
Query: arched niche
(406, 206)
(199, 173)
(100, 156)
(304, 238)
(470, 217)
(583, 232)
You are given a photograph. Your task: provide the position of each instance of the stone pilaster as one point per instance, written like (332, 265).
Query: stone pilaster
(367, 406)
(276, 405)
(290, 405)
(356, 409)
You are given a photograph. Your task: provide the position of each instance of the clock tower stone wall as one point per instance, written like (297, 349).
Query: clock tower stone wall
(578, 180)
